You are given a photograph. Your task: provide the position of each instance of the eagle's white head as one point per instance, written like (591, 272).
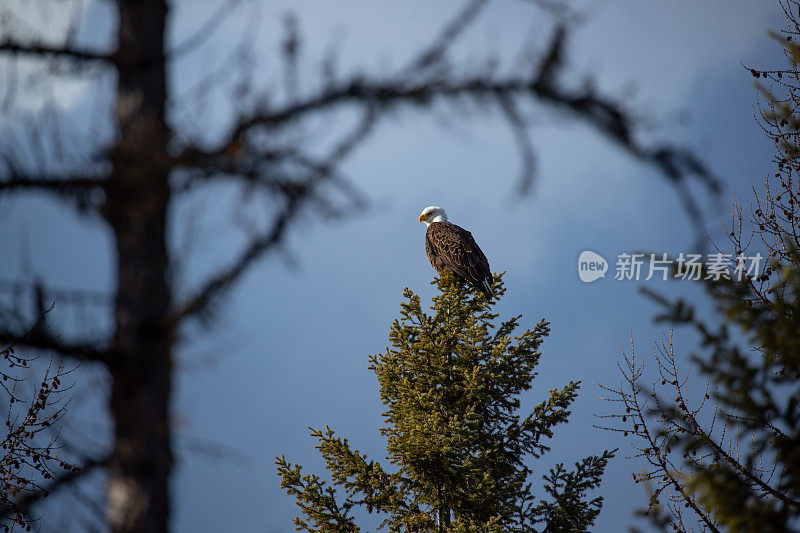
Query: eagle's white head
(432, 213)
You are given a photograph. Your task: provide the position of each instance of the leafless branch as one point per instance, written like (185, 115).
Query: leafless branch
(44, 50)
(62, 185)
(212, 23)
(85, 190)
(524, 145)
(38, 338)
(636, 407)
(676, 163)
(23, 504)
(296, 194)
(435, 51)
(31, 444)
(202, 299)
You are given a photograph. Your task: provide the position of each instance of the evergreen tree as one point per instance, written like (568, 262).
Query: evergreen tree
(458, 448)
(727, 458)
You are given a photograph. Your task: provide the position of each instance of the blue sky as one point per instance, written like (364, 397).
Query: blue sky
(290, 347)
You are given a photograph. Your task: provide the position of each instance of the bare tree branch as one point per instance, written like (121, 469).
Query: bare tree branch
(239, 156)
(66, 185)
(200, 302)
(636, 406)
(25, 502)
(82, 188)
(437, 49)
(296, 194)
(606, 116)
(36, 337)
(43, 50)
(30, 444)
(212, 23)
(524, 145)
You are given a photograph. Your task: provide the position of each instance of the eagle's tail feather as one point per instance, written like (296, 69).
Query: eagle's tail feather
(487, 289)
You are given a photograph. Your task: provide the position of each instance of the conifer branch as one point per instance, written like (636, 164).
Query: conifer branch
(456, 442)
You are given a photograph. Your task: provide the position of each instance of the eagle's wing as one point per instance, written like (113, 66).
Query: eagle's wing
(454, 247)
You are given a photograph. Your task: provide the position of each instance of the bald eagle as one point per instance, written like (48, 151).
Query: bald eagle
(451, 247)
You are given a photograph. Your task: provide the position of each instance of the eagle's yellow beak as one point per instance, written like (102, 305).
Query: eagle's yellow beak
(421, 218)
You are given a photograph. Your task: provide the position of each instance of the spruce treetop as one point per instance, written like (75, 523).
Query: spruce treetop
(458, 447)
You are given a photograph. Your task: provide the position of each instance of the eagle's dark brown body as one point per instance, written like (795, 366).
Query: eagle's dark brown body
(451, 247)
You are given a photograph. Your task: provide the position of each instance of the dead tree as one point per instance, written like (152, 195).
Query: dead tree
(131, 179)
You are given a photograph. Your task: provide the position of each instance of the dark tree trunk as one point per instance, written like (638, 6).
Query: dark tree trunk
(137, 201)
(443, 513)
